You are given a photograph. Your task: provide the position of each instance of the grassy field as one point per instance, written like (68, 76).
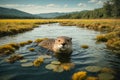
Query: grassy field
(110, 27)
(21, 25)
(13, 26)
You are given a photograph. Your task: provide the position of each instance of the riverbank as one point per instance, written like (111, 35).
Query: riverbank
(110, 28)
(20, 52)
(14, 26)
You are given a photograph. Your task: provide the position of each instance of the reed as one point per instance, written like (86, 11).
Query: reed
(31, 49)
(84, 46)
(13, 26)
(25, 43)
(8, 48)
(40, 40)
(111, 27)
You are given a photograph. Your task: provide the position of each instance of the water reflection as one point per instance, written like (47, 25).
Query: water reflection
(95, 55)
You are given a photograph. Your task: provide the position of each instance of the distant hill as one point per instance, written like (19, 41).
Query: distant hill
(14, 13)
(50, 15)
(107, 11)
(85, 14)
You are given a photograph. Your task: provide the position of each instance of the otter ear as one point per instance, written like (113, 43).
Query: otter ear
(70, 38)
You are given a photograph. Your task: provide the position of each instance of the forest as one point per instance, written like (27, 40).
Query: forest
(110, 9)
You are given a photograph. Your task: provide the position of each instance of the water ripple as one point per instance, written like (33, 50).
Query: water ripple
(96, 54)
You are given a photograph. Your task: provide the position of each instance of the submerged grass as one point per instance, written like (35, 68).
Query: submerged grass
(40, 40)
(14, 58)
(8, 48)
(31, 49)
(84, 46)
(25, 43)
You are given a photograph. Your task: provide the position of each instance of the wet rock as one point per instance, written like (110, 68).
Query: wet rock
(29, 64)
(50, 66)
(93, 68)
(56, 62)
(23, 60)
(105, 76)
(58, 69)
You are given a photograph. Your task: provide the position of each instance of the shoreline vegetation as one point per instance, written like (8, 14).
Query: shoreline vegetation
(15, 26)
(10, 48)
(110, 28)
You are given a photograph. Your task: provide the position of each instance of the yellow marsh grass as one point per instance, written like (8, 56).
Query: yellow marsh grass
(25, 43)
(110, 26)
(40, 40)
(8, 48)
(13, 26)
(84, 46)
(96, 24)
(31, 49)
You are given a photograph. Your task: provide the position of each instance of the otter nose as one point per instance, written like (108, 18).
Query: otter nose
(63, 44)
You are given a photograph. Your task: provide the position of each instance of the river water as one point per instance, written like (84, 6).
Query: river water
(95, 55)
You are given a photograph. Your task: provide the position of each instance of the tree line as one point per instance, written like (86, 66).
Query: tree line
(110, 9)
(17, 17)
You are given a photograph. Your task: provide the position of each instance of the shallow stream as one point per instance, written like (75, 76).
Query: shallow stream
(95, 55)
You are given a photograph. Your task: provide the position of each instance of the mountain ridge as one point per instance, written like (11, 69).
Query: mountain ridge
(14, 13)
(50, 15)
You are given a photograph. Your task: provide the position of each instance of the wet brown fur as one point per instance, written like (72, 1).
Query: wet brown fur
(52, 43)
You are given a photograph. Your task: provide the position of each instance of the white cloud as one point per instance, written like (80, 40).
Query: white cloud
(27, 8)
(36, 9)
(92, 1)
(51, 5)
(82, 5)
(66, 5)
(97, 2)
(17, 6)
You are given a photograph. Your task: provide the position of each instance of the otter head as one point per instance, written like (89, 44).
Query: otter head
(63, 44)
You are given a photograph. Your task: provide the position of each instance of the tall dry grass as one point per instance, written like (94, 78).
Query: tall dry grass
(110, 27)
(13, 26)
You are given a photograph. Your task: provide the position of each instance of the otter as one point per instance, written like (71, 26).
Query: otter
(60, 45)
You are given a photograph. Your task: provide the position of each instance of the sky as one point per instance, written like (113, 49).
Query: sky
(49, 6)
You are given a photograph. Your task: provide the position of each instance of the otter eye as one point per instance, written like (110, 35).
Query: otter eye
(58, 40)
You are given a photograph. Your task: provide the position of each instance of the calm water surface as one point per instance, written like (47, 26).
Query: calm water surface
(95, 55)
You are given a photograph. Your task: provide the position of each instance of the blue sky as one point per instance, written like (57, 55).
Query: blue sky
(48, 6)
